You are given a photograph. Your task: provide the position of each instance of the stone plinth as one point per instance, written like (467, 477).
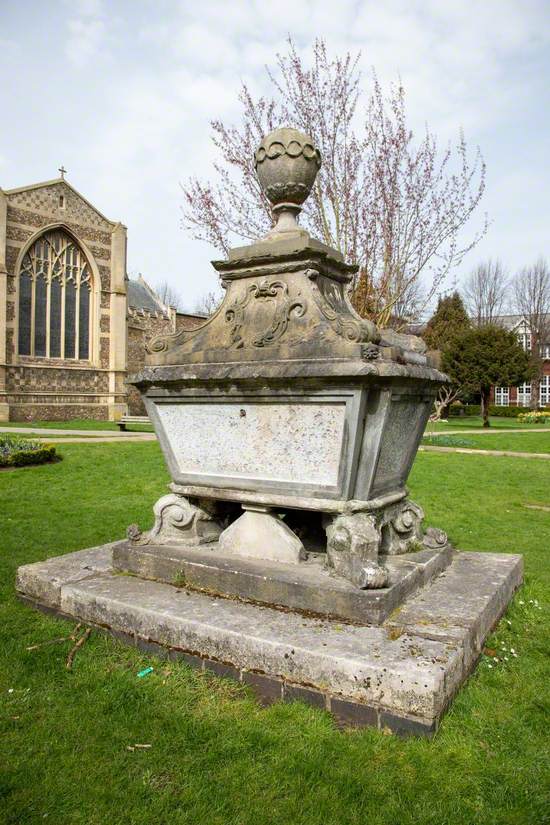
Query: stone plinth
(308, 588)
(400, 675)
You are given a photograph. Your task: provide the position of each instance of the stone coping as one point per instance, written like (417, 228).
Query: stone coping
(257, 371)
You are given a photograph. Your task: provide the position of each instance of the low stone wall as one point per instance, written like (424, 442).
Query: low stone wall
(58, 412)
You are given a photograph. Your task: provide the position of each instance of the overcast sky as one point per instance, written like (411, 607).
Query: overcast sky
(122, 92)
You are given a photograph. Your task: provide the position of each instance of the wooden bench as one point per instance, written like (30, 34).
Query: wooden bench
(132, 419)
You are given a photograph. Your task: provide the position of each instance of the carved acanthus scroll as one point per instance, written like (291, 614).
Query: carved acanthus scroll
(335, 307)
(285, 306)
(355, 542)
(177, 521)
(166, 341)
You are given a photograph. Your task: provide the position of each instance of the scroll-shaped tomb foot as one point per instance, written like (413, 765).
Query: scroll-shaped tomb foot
(353, 542)
(402, 531)
(401, 527)
(179, 520)
(258, 534)
(435, 539)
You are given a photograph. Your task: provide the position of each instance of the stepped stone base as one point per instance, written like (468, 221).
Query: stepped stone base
(307, 587)
(400, 675)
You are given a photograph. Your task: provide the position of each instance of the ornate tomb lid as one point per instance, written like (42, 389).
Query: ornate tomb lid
(286, 304)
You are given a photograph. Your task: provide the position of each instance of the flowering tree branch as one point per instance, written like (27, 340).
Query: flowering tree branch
(394, 206)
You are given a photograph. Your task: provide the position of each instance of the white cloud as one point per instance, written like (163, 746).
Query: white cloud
(84, 40)
(134, 117)
(86, 32)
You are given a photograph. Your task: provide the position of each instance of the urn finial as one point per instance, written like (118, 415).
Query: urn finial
(286, 163)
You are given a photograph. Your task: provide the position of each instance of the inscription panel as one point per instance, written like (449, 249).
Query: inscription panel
(283, 443)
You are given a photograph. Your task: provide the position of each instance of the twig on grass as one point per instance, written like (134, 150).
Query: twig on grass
(56, 641)
(49, 642)
(72, 653)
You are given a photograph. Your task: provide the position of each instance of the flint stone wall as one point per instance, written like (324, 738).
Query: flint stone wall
(142, 327)
(51, 389)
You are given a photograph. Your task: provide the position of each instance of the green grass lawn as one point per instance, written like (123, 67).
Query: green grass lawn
(475, 422)
(525, 442)
(77, 424)
(216, 757)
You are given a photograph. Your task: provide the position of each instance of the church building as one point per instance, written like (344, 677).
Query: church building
(72, 325)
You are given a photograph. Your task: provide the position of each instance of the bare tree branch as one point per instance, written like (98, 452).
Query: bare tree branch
(532, 301)
(209, 303)
(168, 295)
(485, 292)
(447, 394)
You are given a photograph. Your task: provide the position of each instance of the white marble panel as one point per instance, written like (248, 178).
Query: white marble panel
(296, 442)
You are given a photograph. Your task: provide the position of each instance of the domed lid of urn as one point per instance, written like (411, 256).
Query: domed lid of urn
(287, 163)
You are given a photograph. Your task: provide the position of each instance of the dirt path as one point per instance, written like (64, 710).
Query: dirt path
(488, 431)
(471, 451)
(103, 435)
(132, 437)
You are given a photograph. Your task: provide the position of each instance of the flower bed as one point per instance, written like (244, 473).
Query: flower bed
(534, 417)
(459, 409)
(447, 441)
(20, 452)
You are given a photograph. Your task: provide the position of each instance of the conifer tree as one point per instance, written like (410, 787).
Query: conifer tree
(482, 357)
(449, 320)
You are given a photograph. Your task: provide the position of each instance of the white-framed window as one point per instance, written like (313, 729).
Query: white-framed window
(544, 393)
(524, 336)
(502, 396)
(524, 394)
(545, 351)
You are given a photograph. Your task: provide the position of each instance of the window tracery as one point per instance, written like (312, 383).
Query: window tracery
(54, 299)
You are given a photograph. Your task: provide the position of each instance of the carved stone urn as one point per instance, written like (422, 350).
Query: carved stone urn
(286, 163)
(285, 402)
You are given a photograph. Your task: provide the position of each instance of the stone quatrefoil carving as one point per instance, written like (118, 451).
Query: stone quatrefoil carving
(294, 149)
(285, 307)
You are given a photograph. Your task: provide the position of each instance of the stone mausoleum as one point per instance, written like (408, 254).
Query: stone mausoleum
(287, 553)
(72, 325)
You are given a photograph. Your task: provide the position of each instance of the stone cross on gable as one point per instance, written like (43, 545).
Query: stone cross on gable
(63, 172)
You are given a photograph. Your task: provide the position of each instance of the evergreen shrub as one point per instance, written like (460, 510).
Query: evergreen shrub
(20, 452)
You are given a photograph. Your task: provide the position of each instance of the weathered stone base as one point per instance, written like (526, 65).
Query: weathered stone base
(307, 587)
(401, 675)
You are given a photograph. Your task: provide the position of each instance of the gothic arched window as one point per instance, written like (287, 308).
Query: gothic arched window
(54, 299)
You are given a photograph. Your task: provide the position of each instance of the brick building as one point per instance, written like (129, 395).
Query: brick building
(521, 396)
(72, 326)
